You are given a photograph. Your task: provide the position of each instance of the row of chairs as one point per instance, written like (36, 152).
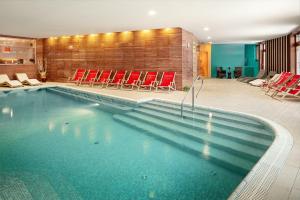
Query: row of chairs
(282, 85)
(123, 80)
(221, 73)
(22, 79)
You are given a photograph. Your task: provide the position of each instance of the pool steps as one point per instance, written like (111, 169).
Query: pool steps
(224, 159)
(202, 128)
(204, 112)
(247, 129)
(220, 143)
(237, 142)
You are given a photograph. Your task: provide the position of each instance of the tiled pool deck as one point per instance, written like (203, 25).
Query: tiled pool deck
(236, 96)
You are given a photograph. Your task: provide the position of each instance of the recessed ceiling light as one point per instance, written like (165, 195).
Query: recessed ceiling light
(208, 37)
(152, 12)
(206, 29)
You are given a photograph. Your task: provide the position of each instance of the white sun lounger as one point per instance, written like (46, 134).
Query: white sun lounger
(260, 82)
(23, 78)
(5, 81)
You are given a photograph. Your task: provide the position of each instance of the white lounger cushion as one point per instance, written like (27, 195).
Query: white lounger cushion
(23, 78)
(257, 82)
(5, 81)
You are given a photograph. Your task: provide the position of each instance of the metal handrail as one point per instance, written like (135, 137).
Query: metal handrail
(193, 94)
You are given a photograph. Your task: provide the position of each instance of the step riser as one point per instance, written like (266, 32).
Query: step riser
(204, 131)
(248, 132)
(203, 109)
(200, 140)
(233, 168)
(197, 112)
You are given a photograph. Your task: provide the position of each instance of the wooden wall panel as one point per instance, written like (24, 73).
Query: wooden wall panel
(151, 50)
(11, 70)
(277, 54)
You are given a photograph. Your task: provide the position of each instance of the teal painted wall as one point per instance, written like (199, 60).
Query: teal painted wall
(250, 58)
(234, 55)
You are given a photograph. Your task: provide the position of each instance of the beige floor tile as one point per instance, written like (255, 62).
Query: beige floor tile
(295, 194)
(297, 182)
(287, 177)
(278, 193)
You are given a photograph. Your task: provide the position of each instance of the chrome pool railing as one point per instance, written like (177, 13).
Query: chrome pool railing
(193, 94)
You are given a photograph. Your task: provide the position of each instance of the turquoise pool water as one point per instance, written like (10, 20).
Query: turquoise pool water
(56, 146)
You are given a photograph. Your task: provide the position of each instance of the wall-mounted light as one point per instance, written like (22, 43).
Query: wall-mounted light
(206, 29)
(93, 34)
(167, 29)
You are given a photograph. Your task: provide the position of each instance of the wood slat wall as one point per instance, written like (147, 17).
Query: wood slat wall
(151, 50)
(277, 54)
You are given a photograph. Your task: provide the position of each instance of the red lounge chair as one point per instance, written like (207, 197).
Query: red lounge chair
(103, 78)
(292, 83)
(118, 79)
(167, 81)
(285, 77)
(272, 81)
(295, 92)
(149, 81)
(132, 80)
(90, 77)
(78, 76)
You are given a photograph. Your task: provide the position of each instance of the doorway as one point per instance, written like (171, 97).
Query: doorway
(203, 63)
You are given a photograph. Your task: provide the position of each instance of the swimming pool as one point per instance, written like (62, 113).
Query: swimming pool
(58, 143)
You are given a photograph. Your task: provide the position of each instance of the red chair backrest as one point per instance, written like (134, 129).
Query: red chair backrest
(295, 90)
(79, 74)
(119, 76)
(167, 78)
(150, 78)
(293, 81)
(134, 76)
(283, 78)
(91, 75)
(104, 76)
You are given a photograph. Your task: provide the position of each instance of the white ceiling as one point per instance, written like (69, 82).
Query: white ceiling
(228, 20)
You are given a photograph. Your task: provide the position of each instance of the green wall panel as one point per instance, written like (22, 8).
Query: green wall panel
(234, 55)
